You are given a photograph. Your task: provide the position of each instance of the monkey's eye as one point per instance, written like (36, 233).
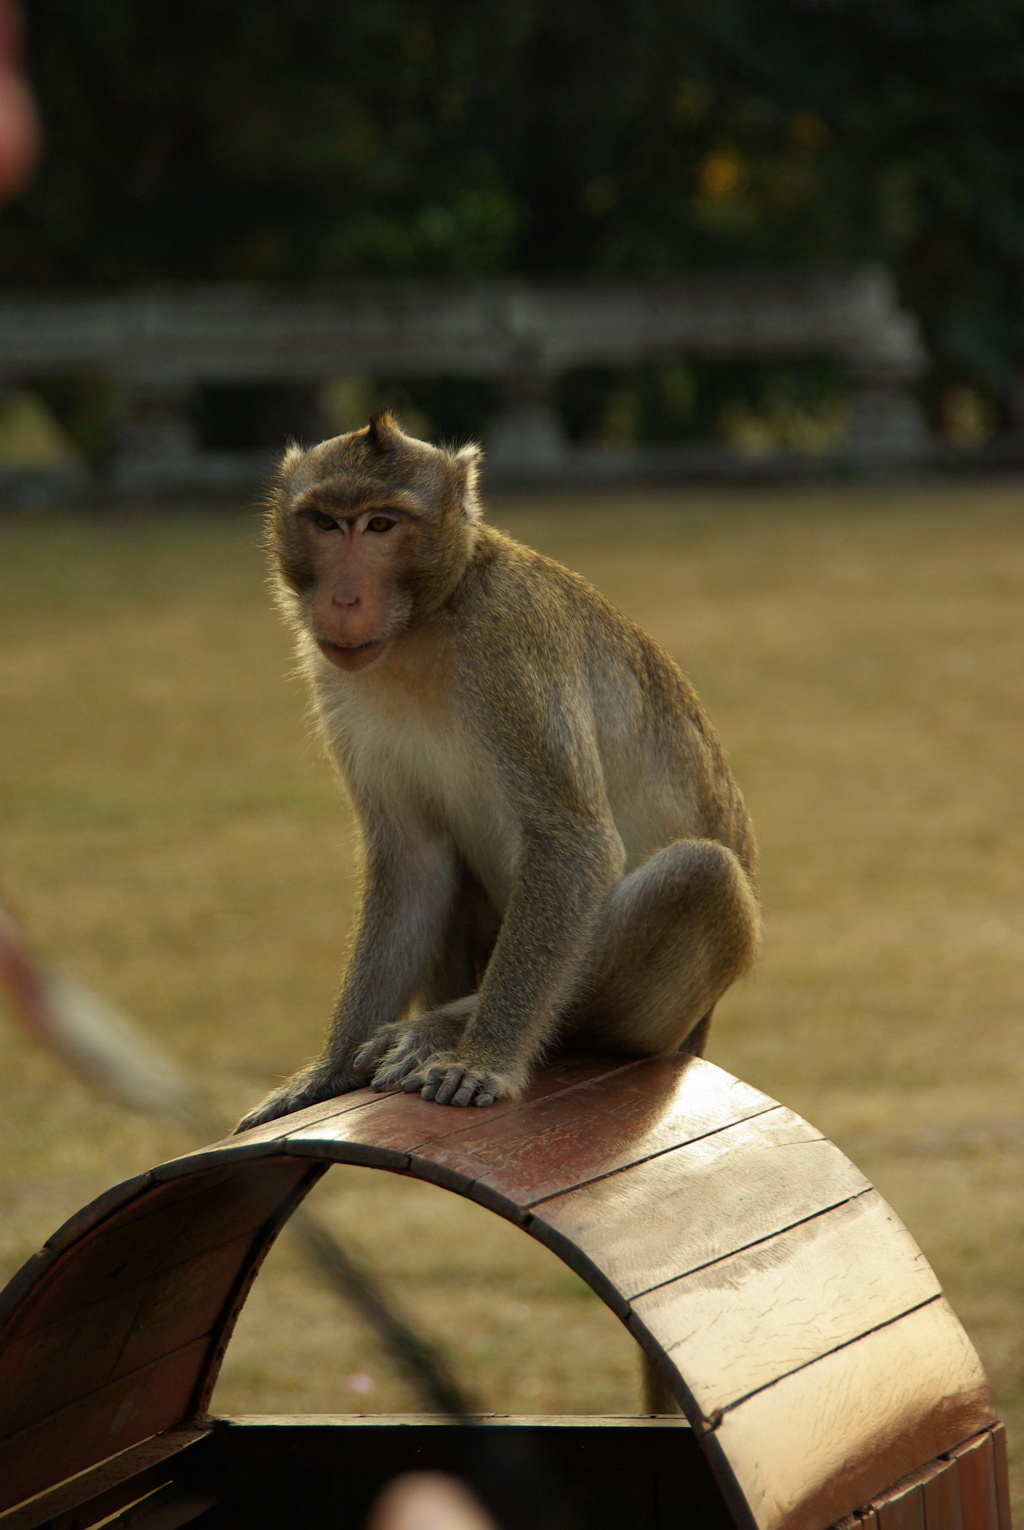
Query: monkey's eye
(324, 522)
(380, 523)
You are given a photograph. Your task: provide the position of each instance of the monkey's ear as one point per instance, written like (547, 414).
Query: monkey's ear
(469, 461)
(382, 430)
(293, 454)
(283, 479)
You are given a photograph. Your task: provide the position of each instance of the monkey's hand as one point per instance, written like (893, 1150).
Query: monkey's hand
(322, 1080)
(427, 1056)
(401, 1050)
(449, 1081)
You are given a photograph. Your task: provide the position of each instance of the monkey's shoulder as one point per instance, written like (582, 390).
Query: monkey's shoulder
(504, 574)
(534, 613)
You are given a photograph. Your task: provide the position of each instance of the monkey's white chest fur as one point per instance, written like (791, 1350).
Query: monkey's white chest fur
(416, 764)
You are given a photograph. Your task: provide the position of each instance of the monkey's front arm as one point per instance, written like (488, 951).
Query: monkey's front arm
(542, 748)
(565, 873)
(410, 881)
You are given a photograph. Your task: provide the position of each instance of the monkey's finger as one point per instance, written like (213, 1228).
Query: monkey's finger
(458, 1087)
(476, 1089)
(404, 1056)
(390, 1076)
(388, 1056)
(395, 1069)
(442, 1081)
(430, 1086)
(419, 1074)
(404, 1068)
(370, 1054)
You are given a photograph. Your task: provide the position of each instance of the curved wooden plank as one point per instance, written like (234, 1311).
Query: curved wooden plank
(815, 1446)
(548, 1144)
(664, 1217)
(119, 1336)
(99, 1424)
(794, 1317)
(742, 1322)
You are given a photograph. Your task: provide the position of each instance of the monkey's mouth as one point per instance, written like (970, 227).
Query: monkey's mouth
(351, 656)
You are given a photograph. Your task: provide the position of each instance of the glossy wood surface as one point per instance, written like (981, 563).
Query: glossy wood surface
(739, 1323)
(662, 1218)
(791, 1312)
(823, 1439)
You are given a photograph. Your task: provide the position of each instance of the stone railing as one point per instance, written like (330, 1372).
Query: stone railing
(158, 346)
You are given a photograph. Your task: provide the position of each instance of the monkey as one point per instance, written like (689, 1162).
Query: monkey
(556, 854)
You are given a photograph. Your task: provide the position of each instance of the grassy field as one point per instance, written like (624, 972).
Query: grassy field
(170, 833)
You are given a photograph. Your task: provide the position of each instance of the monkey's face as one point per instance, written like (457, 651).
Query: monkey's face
(368, 533)
(358, 602)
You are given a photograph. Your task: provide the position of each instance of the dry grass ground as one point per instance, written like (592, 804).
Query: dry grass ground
(170, 833)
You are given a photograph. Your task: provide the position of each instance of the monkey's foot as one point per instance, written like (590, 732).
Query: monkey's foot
(311, 1086)
(450, 1082)
(399, 1050)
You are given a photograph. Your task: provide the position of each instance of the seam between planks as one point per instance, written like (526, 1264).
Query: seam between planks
(708, 1264)
(674, 1147)
(719, 1414)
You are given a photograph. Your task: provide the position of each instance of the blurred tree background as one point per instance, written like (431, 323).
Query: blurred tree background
(307, 140)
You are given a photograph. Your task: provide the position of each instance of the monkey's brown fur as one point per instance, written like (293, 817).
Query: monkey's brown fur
(556, 852)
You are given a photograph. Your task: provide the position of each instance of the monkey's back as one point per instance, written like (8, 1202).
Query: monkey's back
(616, 690)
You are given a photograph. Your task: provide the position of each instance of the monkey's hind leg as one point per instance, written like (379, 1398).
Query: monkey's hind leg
(675, 934)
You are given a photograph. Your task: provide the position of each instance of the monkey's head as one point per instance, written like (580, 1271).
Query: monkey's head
(369, 533)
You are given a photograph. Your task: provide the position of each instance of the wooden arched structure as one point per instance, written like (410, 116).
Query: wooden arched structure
(820, 1370)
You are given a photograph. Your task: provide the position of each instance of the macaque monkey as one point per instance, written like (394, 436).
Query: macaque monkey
(555, 851)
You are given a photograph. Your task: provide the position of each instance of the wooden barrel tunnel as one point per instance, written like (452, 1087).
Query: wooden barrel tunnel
(823, 1377)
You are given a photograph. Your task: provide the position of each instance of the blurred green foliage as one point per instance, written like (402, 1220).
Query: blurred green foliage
(314, 140)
